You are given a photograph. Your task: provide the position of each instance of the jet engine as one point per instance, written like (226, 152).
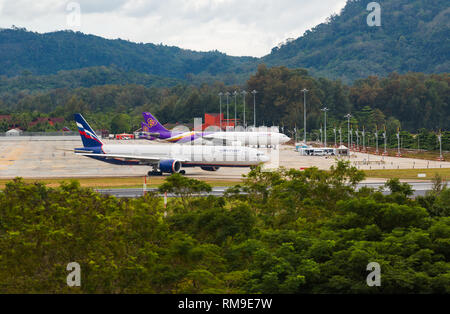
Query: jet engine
(170, 166)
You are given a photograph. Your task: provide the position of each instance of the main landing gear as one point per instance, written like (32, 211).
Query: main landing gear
(156, 173)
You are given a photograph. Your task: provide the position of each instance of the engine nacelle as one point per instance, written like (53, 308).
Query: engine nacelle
(211, 168)
(170, 166)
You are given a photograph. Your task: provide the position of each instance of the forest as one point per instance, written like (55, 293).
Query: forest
(415, 103)
(310, 232)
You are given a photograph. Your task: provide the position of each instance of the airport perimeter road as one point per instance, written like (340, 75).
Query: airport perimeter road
(420, 189)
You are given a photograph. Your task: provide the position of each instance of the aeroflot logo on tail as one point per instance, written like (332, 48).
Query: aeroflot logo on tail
(151, 122)
(86, 133)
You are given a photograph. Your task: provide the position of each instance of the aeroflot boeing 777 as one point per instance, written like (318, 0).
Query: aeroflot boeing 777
(166, 158)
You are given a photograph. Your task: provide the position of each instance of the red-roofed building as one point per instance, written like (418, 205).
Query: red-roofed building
(5, 117)
(51, 121)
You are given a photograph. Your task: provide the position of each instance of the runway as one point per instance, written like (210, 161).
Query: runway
(53, 157)
(420, 189)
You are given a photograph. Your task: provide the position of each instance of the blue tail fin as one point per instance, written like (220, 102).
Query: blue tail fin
(153, 124)
(88, 136)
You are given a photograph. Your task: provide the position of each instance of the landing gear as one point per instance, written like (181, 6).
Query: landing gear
(154, 173)
(183, 172)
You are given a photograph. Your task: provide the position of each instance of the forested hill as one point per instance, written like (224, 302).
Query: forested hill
(414, 36)
(43, 54)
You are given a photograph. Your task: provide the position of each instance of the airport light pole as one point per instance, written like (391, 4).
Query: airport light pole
(441, 157)
(220, 114)
(364, 138)
(304, 91)
(398, 144)
(385, 141)
(244, 93)
(351, 137)
(357, 139)
(335, 140)
(235, 108)
(376, 139)
(348, 116)
(325, 110)
(254, 92)
(228, 113)
(340, 136)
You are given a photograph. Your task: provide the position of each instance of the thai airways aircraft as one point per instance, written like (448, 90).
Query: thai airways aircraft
(152, 130)
(166, 158)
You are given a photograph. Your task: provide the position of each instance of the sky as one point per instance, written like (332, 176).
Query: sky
(235, 27)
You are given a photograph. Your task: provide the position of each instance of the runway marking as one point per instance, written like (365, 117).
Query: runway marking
(11, 157)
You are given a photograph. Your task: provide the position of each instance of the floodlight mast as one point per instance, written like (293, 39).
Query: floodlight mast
(244, 93)
(235, 107)
(228, 113)
(376, 139)
(348, 116)
(220, 114)
(304, 91)
(325, 110)
(254, 92)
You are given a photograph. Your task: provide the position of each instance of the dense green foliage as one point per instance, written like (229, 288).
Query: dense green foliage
(308, 233)
(26, 83)
(417, 100)
(414, 36)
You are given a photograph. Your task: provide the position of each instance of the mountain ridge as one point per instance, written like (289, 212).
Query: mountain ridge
(414, 37)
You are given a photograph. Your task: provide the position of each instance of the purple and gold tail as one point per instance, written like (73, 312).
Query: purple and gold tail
(152, 125)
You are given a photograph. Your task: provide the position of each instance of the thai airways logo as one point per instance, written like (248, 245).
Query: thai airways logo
(151, 123)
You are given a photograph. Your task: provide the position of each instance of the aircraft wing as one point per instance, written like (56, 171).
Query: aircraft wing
(148, 159)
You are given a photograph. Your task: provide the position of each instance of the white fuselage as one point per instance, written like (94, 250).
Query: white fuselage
(192, 155)
(251, 138)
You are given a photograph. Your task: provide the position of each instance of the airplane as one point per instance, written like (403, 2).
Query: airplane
(152, 130)
(166, 158)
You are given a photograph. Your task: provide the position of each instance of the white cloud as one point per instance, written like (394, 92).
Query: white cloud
(237, 27)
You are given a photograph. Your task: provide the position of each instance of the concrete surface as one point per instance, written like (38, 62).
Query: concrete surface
(53, 157)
